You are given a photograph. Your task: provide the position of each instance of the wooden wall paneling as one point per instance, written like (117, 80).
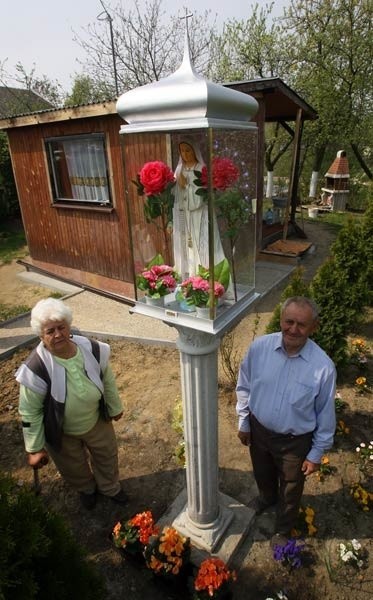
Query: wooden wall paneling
(79, 239)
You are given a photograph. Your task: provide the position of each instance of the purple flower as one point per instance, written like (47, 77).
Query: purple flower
(289, 554)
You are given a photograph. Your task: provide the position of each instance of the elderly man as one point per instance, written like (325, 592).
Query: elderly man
(286, 408)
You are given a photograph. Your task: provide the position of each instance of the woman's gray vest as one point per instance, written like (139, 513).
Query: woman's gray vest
(34, 367)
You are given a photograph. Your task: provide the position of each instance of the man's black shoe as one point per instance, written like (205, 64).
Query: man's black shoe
(259, 506)
(88, 500)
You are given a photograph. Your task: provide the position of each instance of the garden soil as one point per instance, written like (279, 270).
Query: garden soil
(149, 382)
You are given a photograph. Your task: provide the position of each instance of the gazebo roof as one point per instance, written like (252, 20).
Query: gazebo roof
(281, 102)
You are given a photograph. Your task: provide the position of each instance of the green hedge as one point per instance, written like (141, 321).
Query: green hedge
(39, 558)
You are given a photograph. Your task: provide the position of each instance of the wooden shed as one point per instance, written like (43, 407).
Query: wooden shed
(78, 226)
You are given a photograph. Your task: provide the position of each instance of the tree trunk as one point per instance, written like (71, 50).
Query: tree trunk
(313, 184)
(317, 162)
(269, 188)
(361, 161)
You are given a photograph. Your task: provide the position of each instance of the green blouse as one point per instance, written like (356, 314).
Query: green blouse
(81, 406)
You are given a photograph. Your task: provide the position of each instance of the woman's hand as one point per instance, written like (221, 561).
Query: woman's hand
(117, 417)
(37, 460)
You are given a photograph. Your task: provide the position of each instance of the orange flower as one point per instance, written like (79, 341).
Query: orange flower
(171, 542)
(145, 524)
(156, 564)
(212, 574)
(167, 552)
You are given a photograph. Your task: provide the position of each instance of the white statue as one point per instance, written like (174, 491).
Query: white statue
(190, 216)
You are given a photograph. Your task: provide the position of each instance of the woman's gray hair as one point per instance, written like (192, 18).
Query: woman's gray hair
(302, 301)
(49, 309)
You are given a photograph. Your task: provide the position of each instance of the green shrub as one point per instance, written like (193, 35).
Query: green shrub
(367, 240)
(330, 290)
(9, 205)
(39, 558)
(296, 287)
(342, 287)
(351, 260)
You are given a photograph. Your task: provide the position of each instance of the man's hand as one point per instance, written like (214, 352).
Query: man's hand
(244, 437)
(37, 460)
(309, 467)
(117, 417)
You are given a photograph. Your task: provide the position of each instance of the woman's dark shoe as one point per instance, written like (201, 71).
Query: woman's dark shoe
(120, 498)
(88, 500)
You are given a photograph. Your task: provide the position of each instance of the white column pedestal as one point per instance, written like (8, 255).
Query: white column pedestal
(207, 515)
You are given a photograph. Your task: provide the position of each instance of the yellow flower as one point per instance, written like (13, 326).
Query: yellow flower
(361, 381)
(312, 529)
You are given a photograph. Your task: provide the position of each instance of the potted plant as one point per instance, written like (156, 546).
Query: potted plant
(196, 289)
(168, 554)
(157, 280)
(212, 580)
(132, 536)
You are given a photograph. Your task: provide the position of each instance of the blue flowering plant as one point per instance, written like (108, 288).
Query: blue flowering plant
(289, 554)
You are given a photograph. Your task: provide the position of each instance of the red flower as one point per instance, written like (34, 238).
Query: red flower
(155, 176)
(224, 173)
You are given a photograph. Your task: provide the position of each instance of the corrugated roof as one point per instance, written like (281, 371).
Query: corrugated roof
(16, 101)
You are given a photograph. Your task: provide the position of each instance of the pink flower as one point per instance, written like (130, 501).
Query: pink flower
(158, 280)
(224, 174)
(196, 283)
(155, 176)
(218, 289)
(159, 270)
(197, 290)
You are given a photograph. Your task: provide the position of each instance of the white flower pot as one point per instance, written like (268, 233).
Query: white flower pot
(203, 312)
(154, 301)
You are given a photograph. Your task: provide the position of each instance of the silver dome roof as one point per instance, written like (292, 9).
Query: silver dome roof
(185, 100)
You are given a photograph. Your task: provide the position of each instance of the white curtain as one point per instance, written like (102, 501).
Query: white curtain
(87, 169)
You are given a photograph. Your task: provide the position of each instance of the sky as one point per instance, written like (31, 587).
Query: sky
(41, 32)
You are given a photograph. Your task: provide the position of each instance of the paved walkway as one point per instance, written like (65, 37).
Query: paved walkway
(104, 318)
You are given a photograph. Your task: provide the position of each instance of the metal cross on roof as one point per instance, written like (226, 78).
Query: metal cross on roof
(186, 17)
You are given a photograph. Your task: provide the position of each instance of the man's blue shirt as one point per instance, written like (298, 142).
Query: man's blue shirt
(288, 394)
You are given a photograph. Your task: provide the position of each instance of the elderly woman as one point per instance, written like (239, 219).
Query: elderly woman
(68, 398)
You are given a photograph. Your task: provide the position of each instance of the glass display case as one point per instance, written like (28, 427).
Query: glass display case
(196, 190)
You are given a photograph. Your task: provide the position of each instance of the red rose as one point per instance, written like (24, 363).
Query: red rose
(224, 173)
(155, 176)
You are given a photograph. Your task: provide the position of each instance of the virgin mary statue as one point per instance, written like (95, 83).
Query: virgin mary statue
(190, 216)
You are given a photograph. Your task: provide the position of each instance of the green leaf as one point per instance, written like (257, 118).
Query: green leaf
(222, 273)
(156, 260)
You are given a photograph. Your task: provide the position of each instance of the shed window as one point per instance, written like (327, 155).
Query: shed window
(78, 168)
